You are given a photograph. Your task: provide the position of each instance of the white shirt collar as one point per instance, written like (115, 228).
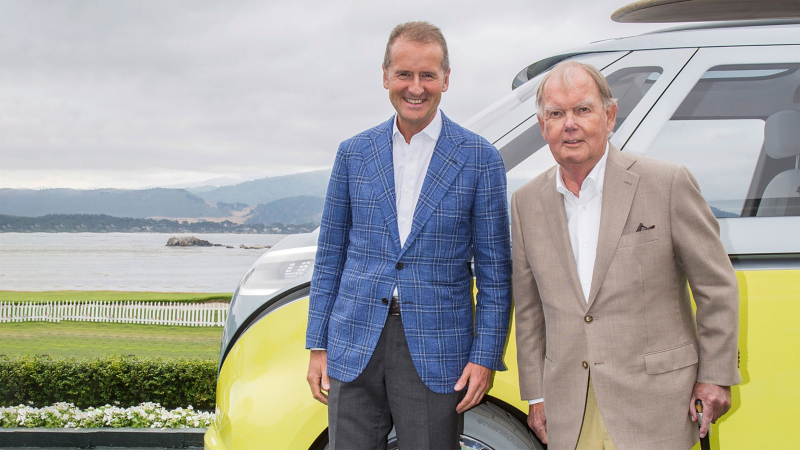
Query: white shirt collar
(433, 130)
(597, 176)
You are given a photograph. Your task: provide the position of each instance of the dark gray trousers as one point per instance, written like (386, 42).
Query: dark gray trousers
(389, 391)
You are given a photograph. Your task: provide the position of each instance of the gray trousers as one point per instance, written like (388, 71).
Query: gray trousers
(389, 391)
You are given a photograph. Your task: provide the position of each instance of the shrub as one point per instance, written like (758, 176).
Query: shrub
(119, 380)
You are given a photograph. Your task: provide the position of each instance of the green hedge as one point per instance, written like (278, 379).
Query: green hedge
(116, 380)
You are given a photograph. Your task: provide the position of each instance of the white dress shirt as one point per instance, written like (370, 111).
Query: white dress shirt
(583, 222)
(583, 219)
(411, 161)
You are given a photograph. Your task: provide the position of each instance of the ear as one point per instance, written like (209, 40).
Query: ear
(446, 83)
(611, 117)
(385, 78)
(541, 125)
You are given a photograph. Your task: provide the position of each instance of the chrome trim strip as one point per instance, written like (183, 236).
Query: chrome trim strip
(767, 261)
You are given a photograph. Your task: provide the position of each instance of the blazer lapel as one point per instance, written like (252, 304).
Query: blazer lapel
(380, 167)
(446, 162)
(553, 207)
(619, 188)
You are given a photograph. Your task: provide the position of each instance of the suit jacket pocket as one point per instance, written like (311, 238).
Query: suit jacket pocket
(638, 237)
(671, 359)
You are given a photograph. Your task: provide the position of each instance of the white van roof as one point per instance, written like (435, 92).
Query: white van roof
(717, 34)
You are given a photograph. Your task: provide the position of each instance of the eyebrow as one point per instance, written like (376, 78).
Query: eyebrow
(584, 103)
(550, 108)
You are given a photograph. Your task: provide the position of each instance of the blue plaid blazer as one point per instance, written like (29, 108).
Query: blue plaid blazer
(461, 212)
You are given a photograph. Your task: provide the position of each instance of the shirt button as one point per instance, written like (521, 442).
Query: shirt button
(585, 365)
(406, 190)
(403, 220)
(583, 208)
(588, 319)
(585, 245)
(385, 301)
(399, 266)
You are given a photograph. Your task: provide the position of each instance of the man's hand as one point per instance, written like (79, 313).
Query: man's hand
(537, 421)
(478, 378)
(318, 375)
(716, 402)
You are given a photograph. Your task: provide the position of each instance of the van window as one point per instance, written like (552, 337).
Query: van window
(628, 86)
(738, 132)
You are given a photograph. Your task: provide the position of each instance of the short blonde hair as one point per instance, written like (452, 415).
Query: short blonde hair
(564, 71)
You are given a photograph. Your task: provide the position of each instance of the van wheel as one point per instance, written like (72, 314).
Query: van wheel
(489, 427)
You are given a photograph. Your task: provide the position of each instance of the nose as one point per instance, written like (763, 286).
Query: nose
(416, 87)
(569, 121)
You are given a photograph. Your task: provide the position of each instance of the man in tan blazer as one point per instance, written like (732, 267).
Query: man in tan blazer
(603, 246)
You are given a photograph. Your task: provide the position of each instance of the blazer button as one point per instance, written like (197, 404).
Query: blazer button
(385, 301)
(585, 365)
(399, 266)
(588, 318)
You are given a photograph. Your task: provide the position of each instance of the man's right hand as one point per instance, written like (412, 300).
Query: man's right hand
(318, 375)
(537, 421)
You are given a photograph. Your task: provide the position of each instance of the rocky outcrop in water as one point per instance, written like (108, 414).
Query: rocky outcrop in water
(255, 247)
(187, 241)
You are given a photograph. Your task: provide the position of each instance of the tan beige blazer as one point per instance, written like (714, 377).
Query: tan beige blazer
(638, 335)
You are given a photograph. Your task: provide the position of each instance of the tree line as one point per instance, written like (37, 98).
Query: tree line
(101, 223)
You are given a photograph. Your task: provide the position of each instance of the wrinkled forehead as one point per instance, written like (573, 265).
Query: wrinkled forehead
(574, 84)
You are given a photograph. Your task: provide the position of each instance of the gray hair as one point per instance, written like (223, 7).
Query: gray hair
(419, 32)
(564, 71)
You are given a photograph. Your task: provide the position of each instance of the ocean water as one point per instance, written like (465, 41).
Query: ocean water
(125, 262)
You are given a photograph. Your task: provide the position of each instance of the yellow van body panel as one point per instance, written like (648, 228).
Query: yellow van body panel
(765, 412)
(263, 399)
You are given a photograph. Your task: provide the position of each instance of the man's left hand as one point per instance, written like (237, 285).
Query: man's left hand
(478, 378)
(716, 402)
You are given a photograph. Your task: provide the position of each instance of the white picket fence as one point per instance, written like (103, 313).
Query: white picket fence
(157, 313)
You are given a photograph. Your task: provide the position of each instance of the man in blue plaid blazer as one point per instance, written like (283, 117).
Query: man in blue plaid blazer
(391, 327)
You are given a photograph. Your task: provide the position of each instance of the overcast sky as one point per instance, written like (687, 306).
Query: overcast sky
(132, 94)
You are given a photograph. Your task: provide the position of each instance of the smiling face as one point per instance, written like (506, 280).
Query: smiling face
(575, 124)
(415, 80)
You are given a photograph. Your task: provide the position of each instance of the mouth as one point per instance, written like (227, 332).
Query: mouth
(573, 142)
(414, 101)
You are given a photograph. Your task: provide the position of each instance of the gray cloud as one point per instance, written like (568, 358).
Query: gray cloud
(136, 93)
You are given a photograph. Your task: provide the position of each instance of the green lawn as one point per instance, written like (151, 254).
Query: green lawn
(57, 296)
(89, 339)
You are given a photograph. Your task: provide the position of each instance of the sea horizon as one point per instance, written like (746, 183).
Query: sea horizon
(140, 262)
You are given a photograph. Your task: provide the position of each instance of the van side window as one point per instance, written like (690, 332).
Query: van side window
(738, 132)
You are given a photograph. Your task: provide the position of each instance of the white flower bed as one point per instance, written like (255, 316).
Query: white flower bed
(66, 415)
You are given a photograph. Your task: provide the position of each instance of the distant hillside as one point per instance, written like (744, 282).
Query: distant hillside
(266, 190)
(156, 202)
(198, 190)
(293, 210)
